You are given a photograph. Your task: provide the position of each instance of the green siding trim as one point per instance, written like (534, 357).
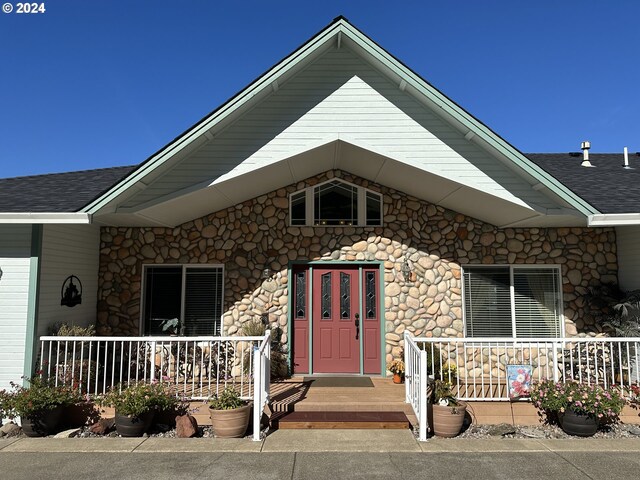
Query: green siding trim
(32, 306)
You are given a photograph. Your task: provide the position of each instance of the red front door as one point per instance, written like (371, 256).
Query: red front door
(336, 343)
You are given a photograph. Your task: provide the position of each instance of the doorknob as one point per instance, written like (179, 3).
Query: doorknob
(357, 326)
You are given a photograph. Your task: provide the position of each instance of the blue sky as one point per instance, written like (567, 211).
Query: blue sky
(92, 84)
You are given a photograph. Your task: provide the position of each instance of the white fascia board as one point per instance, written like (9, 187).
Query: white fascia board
(614, 219)
(45, 217)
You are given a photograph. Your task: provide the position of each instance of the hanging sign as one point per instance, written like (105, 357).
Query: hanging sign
(71, 292)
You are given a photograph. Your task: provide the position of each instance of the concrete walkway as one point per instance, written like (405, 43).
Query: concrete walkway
(337, 441)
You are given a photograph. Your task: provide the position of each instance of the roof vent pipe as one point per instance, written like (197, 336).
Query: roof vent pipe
(626, 157)
(585, 146)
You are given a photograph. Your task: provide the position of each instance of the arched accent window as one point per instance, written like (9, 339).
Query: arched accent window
(335, 203)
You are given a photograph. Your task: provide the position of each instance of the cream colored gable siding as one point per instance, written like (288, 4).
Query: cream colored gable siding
(15, 253)
(342, 96)
(68, 250)
(628, 239)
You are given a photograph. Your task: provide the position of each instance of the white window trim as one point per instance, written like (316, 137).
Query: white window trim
(362, 205)
(184, 266)
(556, 267)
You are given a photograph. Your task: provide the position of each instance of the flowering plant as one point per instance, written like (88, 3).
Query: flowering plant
(634, 396)
(40, 395)
(396, 366)
(443, 394)
(582, 399)
(139, 398)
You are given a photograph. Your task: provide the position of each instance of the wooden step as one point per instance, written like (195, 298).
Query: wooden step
(341, 420)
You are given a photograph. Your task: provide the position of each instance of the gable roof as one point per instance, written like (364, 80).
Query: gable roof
(607, 185)
(57, 192)
(340, 31)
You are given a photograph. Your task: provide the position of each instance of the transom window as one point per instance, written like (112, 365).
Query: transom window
(182, 299)
(512, 301)
(336, 202)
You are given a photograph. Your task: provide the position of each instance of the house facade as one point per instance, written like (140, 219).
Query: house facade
(339, 197)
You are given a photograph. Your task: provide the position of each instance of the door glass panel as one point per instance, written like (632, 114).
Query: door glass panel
(326, 295)
(301, 295)
(345, 295)
(370, 295)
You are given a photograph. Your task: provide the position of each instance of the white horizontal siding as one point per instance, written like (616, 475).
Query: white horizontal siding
(15, 256)
(340, 94)
(68, 250)
(628, 239)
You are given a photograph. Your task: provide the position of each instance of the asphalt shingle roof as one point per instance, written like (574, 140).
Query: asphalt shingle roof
(57, 192)
(608, 186)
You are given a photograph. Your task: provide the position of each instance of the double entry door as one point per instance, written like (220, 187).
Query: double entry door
(336, 319)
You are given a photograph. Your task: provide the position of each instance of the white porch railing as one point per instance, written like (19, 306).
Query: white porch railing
(416, 377)
(480, 363)
(195, 367)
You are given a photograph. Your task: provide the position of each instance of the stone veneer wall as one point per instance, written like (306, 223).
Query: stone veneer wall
(248, 236)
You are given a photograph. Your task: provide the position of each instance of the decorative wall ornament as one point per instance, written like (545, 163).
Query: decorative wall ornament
(71, 293)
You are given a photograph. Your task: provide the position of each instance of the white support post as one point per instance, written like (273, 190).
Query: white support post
(555, 361)
(423, 379)
(152, 360)
(257, 392)
(408, 377)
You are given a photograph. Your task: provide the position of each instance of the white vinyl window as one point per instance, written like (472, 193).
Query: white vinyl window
(512, 301)
(335, 203)
(182, 299)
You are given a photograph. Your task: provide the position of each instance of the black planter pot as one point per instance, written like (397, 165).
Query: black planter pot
(578, 425)
(42, 423)
(129, 426)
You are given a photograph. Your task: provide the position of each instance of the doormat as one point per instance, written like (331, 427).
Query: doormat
(339, 381)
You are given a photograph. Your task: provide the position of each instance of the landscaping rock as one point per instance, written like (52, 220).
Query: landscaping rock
(531, 432)
(501, 429)
(186, 426)
(634, 430)
(103, 426)
(9, 429)
(73, 432)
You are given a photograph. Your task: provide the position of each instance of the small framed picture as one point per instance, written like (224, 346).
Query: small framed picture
(519, 381)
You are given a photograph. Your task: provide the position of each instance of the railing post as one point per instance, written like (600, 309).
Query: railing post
(257, 392)
(422, 395)
(152, 361)
(555, 361)
(408, 374)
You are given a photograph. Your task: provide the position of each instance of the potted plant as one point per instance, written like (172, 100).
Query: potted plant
(397, 368)
(229, 414)
(136, 405)
(448, 412)
(39, 405)
(579, 408)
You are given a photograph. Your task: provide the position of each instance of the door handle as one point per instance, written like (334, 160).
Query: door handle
(357, 326)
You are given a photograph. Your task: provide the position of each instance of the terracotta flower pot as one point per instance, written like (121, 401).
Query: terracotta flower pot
(447, 421)
(130, 426)
(397, 378)
(230, 423)
(42, 423)
(578, 425)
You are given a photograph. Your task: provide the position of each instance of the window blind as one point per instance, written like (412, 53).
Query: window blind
(487, 302)
(536, 302)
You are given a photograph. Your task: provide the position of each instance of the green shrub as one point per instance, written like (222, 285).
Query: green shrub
(40, 395)
(227, 400)
(139, 398)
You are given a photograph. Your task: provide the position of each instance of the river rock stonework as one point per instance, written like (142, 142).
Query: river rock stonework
(256, 234)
